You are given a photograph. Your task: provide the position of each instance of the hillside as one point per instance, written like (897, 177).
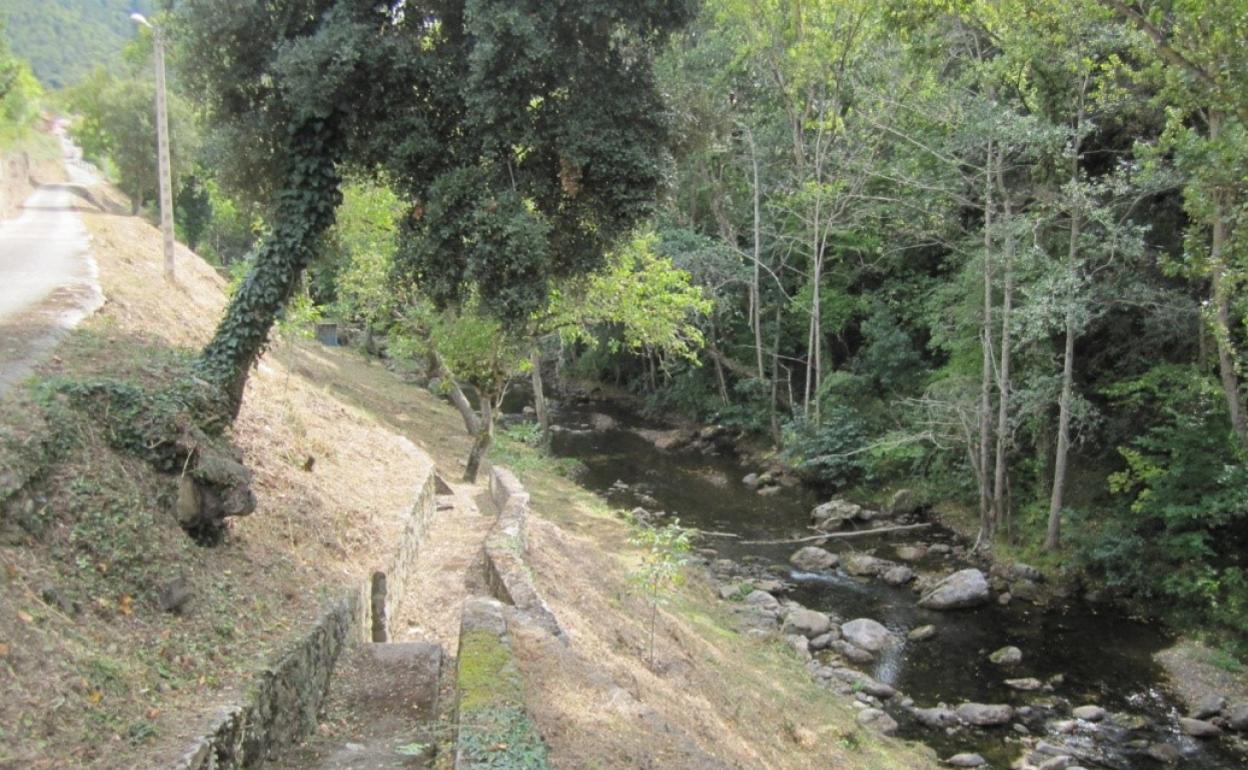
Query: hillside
(95, 674)
(65, 39)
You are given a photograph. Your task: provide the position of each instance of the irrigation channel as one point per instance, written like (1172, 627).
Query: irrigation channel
(1087, 654)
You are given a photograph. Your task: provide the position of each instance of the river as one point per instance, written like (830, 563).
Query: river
(1102, 656)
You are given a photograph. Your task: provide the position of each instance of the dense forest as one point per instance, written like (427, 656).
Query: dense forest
(988, 251)
(63, 40)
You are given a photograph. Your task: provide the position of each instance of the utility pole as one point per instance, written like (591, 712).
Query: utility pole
(162, 145)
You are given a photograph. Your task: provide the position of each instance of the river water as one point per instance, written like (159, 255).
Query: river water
(1103, 657)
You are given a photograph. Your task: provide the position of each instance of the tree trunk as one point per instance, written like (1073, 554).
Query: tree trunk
(1053, 534)
(984, 540)
(462, 405)
(484, 440)
(304, 211)
(539, 396)
(1222, 303)
(777, 438)
(1052, 538)
(999, 507)
(756, 307)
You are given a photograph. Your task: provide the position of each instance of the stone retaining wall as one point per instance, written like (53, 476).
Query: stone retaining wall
(282, 706)
(505, 547)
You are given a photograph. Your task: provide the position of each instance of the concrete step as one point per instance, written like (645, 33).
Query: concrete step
(380, 713)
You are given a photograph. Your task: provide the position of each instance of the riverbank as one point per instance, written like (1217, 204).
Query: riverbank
(745, 700)
(865, 607)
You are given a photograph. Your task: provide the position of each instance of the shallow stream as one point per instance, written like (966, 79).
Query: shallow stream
(1104, 657)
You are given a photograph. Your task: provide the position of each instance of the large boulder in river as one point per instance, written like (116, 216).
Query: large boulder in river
(984, 715)
(867, 634)
(812, 558)
(963, 589)
(834, 514)
(807, 623)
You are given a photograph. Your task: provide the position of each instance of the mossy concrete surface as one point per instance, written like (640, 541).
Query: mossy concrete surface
(494, 729)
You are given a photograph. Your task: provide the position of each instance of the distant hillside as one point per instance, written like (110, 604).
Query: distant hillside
(65, 39)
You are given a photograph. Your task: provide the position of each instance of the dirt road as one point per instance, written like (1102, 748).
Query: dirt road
(47, 277)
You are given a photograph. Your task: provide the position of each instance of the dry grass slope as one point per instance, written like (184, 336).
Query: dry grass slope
(92, 673)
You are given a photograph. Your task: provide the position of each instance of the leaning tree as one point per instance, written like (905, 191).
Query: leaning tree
(526, 135)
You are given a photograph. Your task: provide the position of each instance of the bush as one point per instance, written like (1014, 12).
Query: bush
(833, 453)
(1179, 529)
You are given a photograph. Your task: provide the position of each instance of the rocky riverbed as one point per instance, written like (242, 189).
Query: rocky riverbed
(992, 665)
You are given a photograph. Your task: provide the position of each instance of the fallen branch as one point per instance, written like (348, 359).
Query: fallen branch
(838, 535)
(714, 534)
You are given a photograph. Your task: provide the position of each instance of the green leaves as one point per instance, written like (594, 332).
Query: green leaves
(653, 303)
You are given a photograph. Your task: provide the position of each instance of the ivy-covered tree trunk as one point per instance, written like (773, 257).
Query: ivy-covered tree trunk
(304, 211)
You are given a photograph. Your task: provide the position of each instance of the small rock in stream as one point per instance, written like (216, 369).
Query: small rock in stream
(1199, 728)
(1089, 713)
(922, 633)
(966, 760)
(911, 552)
(898, 576)
(1209, 706)
(1007, 656)
(864, 565)
(852, 653)
(985, 715)
(1165, 753)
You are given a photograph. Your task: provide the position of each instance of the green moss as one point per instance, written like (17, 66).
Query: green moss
(491, 708)
(488, 676)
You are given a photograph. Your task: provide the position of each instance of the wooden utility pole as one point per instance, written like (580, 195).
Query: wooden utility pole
(162, 145)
